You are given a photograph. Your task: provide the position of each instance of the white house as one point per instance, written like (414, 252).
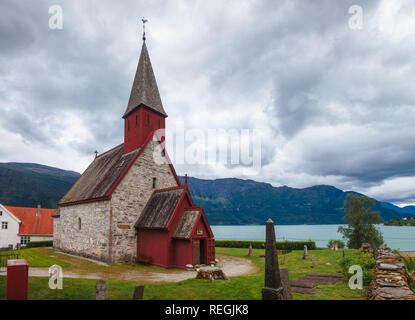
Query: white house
(20, 225)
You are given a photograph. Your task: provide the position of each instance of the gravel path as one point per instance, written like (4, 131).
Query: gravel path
(232, 266)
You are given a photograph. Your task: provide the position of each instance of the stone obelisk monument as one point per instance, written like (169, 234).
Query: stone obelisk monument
(273, 288)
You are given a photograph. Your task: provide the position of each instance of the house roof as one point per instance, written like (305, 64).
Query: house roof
(100, 176)
(159, 208)
(186, 224)
(32, 224)
(145, 90)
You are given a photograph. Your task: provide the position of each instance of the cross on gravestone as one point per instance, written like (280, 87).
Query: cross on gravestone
(250, 250)
(138, 293)
(101, 290)
(305, 254)
(273, 289)
(314, 262)
(285, 280)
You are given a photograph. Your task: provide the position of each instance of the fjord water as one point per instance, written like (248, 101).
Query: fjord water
(402, 238)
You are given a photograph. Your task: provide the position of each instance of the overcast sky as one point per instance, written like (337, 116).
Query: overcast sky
(335, 105)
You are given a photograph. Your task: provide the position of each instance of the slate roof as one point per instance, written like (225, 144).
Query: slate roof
(145, 90)
(32, 224)
(159, 209)
(100, 176)
(186, 224)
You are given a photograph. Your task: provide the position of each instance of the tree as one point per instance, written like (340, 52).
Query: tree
(361, 221)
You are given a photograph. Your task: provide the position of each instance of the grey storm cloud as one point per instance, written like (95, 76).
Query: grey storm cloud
(336, 105)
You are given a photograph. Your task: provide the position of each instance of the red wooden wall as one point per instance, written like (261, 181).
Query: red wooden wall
(138, 125)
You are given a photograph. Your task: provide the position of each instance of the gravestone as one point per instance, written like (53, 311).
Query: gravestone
(305, 254)
(273, 289)
(285, 280)
(18, 246)
(334, 246)
(314, 262)
(283, 260)
(101, 290)
(365, 247)
(250, 250)
(138, 293)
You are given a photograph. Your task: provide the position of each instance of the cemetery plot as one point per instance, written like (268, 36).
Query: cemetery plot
(306, 284)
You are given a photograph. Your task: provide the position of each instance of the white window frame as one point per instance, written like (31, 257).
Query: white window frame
(4, 225)
(24, 240)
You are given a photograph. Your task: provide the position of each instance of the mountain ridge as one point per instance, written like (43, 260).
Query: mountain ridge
(225, 201)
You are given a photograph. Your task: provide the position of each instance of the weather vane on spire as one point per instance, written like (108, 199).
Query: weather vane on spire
(144, 28)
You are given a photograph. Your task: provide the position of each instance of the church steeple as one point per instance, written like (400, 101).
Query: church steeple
(145, 112)
(145, 91)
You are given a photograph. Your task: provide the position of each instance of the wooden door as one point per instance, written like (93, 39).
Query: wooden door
(202, 252)
(196, 252)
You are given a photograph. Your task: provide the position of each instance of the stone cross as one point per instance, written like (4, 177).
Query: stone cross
(101, 290)
(250, 250)
(314, 262)
(285, 280)
(273, 288)
(138, 293)
(305, 254)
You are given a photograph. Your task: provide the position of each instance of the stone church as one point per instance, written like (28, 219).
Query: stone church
(127, 207)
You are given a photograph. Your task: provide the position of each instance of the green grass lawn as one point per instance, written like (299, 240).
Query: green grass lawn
(37, 258)
(238, 288)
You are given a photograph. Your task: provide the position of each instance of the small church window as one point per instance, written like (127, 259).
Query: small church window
(154, 183)
(148, 119)
(128, 125)
(1, 213)
(79, 223)
(4, 225)
(136, 120)
(159, 124)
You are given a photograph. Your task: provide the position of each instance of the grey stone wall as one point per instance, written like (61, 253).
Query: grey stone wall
(92, 239)
(127, 203)
(130, 198)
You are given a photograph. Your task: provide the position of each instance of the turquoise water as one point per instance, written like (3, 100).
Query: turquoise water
(402, 238)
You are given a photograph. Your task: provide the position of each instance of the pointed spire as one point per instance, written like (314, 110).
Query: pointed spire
(145, 90)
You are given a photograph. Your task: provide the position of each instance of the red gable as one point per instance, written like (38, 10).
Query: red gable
(32, 224)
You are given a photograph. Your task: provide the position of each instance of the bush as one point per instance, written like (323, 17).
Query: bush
(365, 260)
(36, 244)
(281, 245)
(409, 263)
(340, 244)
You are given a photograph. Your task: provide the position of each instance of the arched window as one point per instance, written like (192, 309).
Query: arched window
(148, 119)
(79, 223)
(136, 120)
(128, 125)
(154, 182)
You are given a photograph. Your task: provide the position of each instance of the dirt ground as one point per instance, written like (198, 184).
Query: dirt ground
(232, 266)
(408, 254)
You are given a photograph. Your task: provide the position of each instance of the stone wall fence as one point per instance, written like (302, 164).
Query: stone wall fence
(391, 281)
